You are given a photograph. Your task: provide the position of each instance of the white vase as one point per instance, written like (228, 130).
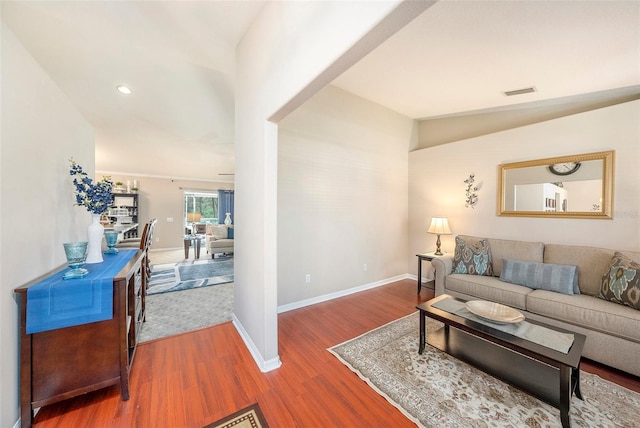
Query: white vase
(95, 231)
(227, 219)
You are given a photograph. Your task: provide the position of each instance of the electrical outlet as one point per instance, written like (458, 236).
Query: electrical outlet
(157, 239)
(364, 268)
(169, 219)
(307, 278)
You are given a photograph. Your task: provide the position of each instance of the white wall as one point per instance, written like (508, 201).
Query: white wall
(342, 195)
(41, 130)
(581, 194)
(436, 184)
(291, 51)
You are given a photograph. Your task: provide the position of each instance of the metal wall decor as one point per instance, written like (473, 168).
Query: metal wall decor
(471, 197)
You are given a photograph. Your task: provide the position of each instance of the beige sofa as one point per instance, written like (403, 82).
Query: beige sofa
(219, 239)
(612, 329)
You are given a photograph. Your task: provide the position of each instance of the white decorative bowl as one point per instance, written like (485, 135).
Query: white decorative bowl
(494, 312)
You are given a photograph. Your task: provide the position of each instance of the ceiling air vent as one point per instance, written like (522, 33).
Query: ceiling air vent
(520, 91)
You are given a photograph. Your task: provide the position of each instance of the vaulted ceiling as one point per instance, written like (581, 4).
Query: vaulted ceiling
(178, 59)
(460, 56)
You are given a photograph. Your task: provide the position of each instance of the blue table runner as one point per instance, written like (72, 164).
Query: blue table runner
(55, 302)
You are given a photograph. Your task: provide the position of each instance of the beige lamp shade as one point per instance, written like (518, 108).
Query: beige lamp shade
(439, 226)
(193, 217)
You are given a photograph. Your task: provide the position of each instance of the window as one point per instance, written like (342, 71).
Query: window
(200, 207)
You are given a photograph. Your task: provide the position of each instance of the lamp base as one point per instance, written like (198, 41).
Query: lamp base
(438, 251)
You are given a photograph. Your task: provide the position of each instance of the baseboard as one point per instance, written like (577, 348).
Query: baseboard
(342, 293)
(425, 279)
(153, 250)
(268, 365)
(263, 365)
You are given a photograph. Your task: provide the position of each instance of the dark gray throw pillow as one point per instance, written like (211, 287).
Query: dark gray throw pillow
(544, 276)
(621, 282)
(472, 257)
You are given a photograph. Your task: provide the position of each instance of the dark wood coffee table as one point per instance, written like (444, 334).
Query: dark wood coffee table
(549, 375)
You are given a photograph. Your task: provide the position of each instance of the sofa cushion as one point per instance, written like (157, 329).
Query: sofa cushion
(218, 231)
(621, 282)
(489, 288)
(588, 312)
(472, 256)
(515, 250)
(591, 262)
(220, 246)
(545, 276)
(221, 243)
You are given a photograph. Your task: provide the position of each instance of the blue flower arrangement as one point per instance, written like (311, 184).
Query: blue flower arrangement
(96, 197)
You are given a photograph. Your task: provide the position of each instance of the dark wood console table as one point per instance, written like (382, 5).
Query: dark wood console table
(66, 362)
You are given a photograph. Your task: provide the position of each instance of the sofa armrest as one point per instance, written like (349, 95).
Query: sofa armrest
(442, 266)
(208, 239)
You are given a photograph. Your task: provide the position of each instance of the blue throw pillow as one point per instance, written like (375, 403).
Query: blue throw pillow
(544, 276)
(230, 233)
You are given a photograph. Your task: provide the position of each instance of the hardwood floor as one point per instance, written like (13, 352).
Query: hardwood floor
(195, 378)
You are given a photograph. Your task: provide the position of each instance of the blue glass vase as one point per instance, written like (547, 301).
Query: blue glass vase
(76, 253)
(111, 238)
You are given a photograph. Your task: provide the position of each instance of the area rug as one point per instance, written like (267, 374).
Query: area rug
(436, 390)
(189, 274)
(249, 417)
(168, 314)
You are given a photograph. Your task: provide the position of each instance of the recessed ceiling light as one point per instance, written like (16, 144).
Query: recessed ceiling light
(124, 90)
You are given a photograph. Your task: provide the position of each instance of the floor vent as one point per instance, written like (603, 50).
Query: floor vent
(520, 91)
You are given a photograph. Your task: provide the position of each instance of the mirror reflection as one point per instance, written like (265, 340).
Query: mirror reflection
(571, 186)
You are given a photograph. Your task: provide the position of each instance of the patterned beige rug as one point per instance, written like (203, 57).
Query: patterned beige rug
(436, 390)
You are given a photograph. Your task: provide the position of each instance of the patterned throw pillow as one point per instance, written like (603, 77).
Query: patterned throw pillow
(621, 283)
(472, 257)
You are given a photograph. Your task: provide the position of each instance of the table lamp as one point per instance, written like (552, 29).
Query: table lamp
(439, 226)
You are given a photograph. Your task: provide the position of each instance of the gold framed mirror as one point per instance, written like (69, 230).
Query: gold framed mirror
(578, 186)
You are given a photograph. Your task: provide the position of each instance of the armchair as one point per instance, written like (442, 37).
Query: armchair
(219, 239)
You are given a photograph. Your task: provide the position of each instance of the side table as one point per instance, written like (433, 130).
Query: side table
(423, 257)
(196, 243)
